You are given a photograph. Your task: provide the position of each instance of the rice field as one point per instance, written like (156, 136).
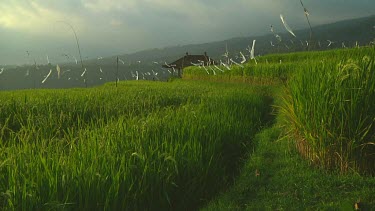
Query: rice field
(176, 145)
(140, 146)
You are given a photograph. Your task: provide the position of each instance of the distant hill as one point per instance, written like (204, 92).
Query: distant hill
(147, 63)
(347, 31)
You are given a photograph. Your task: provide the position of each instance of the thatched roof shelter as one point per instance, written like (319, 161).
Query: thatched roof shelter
(190, 60)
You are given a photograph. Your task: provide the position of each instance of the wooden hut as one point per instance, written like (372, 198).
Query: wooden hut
(189, 60)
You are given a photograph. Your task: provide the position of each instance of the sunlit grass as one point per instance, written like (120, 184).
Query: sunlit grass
(328, 108)
(142, 146)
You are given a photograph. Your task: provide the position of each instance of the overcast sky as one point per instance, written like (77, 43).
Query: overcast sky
(110, 27)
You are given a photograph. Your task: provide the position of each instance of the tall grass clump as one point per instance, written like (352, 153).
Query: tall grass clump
(328, 107)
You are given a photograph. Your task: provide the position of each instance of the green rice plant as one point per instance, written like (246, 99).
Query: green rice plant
(140, 146)
(328, 109)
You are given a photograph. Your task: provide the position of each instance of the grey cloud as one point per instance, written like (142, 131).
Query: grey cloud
(157, 23)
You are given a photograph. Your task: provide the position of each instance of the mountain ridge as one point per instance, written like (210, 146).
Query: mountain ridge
(236, 44)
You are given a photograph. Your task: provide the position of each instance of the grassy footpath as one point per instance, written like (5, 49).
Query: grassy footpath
(275, 177)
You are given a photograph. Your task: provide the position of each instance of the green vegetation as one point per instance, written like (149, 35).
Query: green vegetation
(177, 145)
(142, 146)
(277, 68)
(325, 109)
(327, 103)
(328, 109)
